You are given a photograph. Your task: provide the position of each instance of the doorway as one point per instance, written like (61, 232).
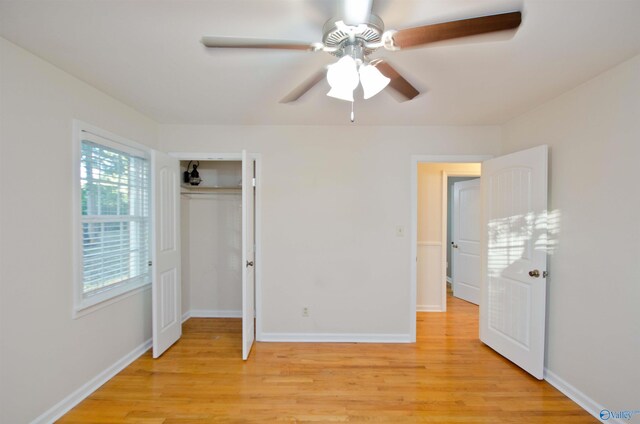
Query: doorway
(429, 228)
(463, 221)
(513, 195)
(220, 228)
(210, 230)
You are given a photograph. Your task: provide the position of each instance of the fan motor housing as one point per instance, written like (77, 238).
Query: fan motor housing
(335, 37)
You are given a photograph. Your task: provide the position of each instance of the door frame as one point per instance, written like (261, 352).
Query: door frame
(445, 228)
(237, 156)
(413, 283)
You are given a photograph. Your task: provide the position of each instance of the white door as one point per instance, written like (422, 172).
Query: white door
(466, 270)
(514, 257)
(248, 257)
(167, 322)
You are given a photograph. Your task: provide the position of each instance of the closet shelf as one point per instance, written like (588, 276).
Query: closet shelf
(189, 189)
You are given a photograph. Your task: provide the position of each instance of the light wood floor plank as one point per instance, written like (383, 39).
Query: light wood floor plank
(448, 376)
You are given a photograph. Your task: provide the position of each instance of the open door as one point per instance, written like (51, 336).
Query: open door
(466, 240)
(514, 257)
(166, 303)
(248, 257)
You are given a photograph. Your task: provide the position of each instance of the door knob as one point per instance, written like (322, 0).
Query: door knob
(249, 263)
(455, 246)
(535, 273)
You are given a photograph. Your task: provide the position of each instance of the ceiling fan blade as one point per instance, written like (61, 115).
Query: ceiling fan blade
(418, 36)
(257, 43)
(355, 12)
(398, 83)
(307, 85)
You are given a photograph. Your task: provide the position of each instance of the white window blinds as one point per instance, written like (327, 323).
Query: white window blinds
(115, 186)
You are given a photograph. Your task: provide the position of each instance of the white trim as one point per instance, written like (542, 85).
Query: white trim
(258, 240)
(584, 401)
(450, 158)
(123, 146)
(335, 338)
(83, 126)
(62, 407)
(413, 259)
(237, 156)
(413, 239)
(186, 316)
(215, 313)
(206, 156)
(76, 219)
(430, 308)
(449, 280)
(79, 305)
(443, 254)
(90, 308)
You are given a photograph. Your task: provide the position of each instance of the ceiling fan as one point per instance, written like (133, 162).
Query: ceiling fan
(354, 35)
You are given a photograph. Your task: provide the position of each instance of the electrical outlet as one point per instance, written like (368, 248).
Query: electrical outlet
(305, 312)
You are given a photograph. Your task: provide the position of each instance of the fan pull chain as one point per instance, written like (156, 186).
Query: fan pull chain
(353, 116)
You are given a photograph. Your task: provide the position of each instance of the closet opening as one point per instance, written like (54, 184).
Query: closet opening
(211, 226)
(217, 234)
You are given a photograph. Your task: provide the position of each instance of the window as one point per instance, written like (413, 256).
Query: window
(115, 224)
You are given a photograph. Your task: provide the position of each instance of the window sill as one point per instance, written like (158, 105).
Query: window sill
(91, 305)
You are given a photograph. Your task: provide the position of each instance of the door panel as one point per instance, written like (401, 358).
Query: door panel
(466, 240)
(166, 302)
(248, 256)
(513, 301)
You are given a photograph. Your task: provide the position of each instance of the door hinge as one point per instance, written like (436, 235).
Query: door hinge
(150, 263)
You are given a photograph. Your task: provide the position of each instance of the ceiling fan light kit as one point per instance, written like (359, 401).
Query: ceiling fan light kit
(343, 78)
(372, 80)
(359, 33)
(350, 70)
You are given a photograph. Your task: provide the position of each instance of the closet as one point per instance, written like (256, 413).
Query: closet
(211, 238)
(204, 243)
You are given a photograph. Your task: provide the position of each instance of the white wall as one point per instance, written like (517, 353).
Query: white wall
(44, 353)
(594, 284)
(331, 200)
(214, 278)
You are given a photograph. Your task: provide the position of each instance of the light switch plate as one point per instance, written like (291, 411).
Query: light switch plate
(400, 231)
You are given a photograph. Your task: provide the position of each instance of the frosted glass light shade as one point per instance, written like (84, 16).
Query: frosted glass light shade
(343, 78)
(346, 95)
(372, 80)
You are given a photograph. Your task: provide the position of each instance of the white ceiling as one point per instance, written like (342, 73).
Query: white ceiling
(148, 55)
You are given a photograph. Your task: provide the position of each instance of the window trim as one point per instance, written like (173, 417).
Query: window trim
(80, 305)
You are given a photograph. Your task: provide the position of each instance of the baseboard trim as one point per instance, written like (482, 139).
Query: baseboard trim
(65, 405)
(429, 308)
(584, 401)
(214, 313)
(334, 338)
(186, 316)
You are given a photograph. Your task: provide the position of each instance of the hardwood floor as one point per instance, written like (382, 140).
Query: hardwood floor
(447, 377)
